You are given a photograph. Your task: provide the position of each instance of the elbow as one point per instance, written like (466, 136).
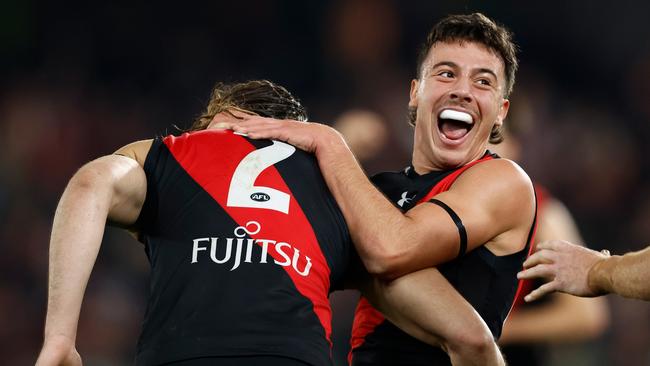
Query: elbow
(384, 265)
(84, 178)
(386, 256)
(473, 344)
(82, 181)
(90, 177)
(90, 183)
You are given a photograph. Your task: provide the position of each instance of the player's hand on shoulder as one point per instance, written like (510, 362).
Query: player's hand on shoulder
(307, 136)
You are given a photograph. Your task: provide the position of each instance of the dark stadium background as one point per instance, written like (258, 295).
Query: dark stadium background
(80, 79)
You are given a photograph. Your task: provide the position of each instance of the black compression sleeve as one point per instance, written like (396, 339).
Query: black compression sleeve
(459, 224)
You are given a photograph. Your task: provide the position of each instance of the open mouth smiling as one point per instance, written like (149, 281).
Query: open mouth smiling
(454, 125)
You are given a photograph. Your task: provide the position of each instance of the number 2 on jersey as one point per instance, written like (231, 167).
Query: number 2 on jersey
(244, 193)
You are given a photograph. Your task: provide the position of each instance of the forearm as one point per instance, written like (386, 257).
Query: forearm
(627, 275)
(374, 222)
(409, 307)
(76, 237)
(426, 306)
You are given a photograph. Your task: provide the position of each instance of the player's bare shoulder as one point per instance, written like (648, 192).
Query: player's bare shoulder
(502, 178)
(136, 150)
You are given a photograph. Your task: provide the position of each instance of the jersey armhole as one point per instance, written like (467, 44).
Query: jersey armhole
(150, 203)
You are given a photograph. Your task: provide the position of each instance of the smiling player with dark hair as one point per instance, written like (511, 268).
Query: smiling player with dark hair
(468, 211)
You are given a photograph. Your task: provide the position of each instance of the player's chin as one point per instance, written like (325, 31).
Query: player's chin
(451, 159)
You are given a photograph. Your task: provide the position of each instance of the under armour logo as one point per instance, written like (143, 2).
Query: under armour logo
(404, 200)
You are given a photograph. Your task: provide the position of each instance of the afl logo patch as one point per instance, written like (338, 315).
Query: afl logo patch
(260, 197)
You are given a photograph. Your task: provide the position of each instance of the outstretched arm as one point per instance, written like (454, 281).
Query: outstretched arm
(109, 188)
(392, 243)
(584, 272)
(426, 306)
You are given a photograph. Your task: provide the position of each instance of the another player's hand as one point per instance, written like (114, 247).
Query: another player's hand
(566, 266)
(59, 351)
(303, 135)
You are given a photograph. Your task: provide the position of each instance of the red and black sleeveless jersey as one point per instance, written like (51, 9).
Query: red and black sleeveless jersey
(485, 280)
(245, 243)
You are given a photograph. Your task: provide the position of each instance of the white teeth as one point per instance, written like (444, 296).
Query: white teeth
(456, 115)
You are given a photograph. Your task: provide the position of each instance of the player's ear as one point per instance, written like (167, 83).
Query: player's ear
(503, 112)
(415, 85)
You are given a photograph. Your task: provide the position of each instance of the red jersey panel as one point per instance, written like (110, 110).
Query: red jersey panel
(245, 244)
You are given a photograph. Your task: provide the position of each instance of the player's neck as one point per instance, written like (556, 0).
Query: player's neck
(421, 164)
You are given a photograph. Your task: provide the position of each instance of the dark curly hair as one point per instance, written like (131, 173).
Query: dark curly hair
(261, 97)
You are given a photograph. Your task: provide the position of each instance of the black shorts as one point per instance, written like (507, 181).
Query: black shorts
(240, 361)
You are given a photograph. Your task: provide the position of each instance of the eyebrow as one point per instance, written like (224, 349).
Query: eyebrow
(441, 63)
(455, 65)
(445, 63)
(488, 71)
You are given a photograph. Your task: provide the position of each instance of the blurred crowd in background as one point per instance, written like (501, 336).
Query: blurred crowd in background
(79, 80)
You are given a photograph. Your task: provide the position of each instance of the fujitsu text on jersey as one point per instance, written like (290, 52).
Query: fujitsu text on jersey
(221, 250)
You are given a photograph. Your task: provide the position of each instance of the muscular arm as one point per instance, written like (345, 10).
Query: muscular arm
(564, 318)
(109, 188)
(427, 307)
(392, 243)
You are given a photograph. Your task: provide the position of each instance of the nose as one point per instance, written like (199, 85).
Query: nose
(461, 93)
